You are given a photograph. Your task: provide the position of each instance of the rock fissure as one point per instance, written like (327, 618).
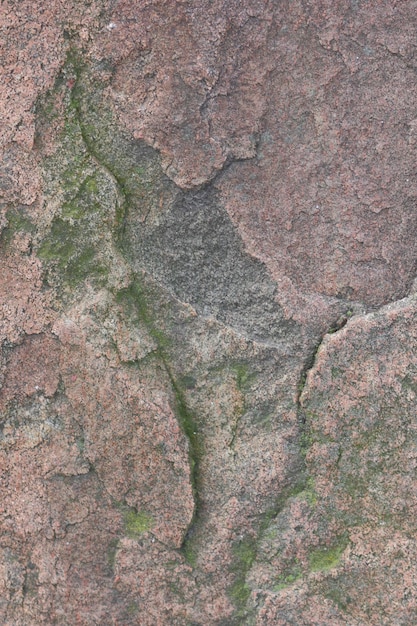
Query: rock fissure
(185, 419)
(89, 143)
(311, 360)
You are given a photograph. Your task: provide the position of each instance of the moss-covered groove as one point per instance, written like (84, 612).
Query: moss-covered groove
(127, 179)
(320, 558)
(134, 299)
(246, 549)
(77, 243)
(76, 93)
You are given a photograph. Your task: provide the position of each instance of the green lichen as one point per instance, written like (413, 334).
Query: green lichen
(327, 557)
(244, 377)
(17, 221)
(136, 523)
(244, 553)
(292, 573)
(111, 551)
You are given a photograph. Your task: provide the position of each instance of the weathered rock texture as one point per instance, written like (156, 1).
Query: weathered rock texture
(208, 326)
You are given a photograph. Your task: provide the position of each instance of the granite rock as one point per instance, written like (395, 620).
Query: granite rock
(207, 313)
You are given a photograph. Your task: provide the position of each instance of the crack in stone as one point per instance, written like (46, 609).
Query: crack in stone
(310, 362)
(182, 412)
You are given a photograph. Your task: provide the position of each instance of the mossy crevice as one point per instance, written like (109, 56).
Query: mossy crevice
(248, 551)
(72, 249)
(97, 174)
(133, 166)
(244, 552)
(136, 300)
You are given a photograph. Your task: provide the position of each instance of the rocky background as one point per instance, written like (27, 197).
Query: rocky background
(208, 324)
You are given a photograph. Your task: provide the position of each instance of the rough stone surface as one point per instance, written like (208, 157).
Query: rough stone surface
(208, 313)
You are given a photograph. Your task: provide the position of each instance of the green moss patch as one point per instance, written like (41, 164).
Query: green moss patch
(16, 222)
(137, 523)
(244, 376)
(289, 577)
(71, 252)
(244, 555)
(111, 552)
(327, 557)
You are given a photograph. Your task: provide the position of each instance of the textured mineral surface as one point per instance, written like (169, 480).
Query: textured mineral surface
(208, 313)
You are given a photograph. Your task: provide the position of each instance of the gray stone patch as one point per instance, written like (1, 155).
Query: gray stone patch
(195, 251)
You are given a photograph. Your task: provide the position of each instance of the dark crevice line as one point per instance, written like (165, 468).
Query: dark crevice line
(303, 475)
(189, 427)
(310, 362)
(183, 414)
(89, 145)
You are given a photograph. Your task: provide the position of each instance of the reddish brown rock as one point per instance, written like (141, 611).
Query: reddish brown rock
(192, 200)
(32, 368)
(25, 309)
(358, 533)
(313, 98)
